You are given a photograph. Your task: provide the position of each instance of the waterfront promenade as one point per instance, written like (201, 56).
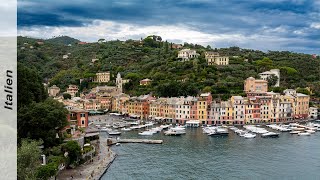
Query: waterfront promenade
(91, 170)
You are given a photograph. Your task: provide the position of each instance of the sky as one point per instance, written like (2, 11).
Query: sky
(282, 25)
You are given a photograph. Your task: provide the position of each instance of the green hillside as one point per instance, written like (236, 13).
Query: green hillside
(64, 40)
(156, 60)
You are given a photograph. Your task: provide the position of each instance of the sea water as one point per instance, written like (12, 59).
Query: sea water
(198, 156)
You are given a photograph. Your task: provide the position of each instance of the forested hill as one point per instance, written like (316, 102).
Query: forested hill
(157, 60)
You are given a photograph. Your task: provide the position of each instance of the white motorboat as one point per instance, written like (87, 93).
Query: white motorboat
(242, 133)
(172, 132)
(310, 131)
(117, 144)
(284, 129)
(114, 133)
(297, 128)
(146, 133)
(270, 134)
(303, 134)
(249, 135)
(134, 127)
(156, 129)
(222, 131)
(126, 129)
(179, 128)
(105, 129)
(295, 132)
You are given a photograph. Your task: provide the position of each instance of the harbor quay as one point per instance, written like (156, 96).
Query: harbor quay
(94, 168)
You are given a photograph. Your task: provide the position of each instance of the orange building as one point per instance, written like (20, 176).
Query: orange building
(255, 85)
(77, 117)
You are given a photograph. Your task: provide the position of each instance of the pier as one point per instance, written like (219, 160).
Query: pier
(112, 141)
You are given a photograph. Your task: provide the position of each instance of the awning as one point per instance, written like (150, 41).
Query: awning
(158, 118)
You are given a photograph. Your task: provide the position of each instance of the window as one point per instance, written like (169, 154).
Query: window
(82, 122)
(82, 115)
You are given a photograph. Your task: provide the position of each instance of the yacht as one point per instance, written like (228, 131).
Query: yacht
(222, 131)
(179, 128)
(303, 134)
(270, 134)
(172, 132)
(295, 132)
(242, 133)
(284, 129)
(126, 129)
(114, 133)
(134, 127)
(249, 135)
(105, 129)
(297, 128)
(156, 129)
(146, 133)
(310, 131)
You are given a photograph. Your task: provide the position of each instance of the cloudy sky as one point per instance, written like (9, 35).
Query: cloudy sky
(292, 25)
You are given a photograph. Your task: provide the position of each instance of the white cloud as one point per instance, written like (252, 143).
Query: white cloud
(315, 25)
(299, 32)
(267, 39)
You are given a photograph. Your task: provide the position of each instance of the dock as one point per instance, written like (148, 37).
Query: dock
(112, 141)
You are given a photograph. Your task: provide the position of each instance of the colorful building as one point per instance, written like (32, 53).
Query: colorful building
(72, 90)
(77, 117)
(102, 77)
(214, 58)
(255, 85)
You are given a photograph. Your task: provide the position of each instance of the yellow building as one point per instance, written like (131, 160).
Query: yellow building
(214, 58)
(118, 102)
(102, 77)
(202, 110)
(302, 105)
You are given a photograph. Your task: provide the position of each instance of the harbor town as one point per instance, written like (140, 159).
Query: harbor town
(106, 113)
(175, 90)
(258, 106)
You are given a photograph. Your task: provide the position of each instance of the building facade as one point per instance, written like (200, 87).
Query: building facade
(255, 85)
(265, 75)
(186, 54)
(214, 58)
(77, 117)
(145, 82)
(72, 90)
(102, 77)
(53, 90)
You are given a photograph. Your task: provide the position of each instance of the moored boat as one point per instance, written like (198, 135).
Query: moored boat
(303, 134)
(172, 132)
(114, 133)
(146, 133)
(249, 135)
(310, 131)
(270, 134)
(295, 132)
(126, 129)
